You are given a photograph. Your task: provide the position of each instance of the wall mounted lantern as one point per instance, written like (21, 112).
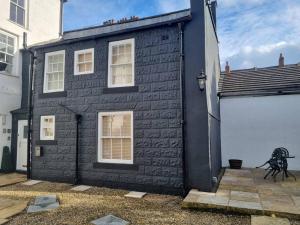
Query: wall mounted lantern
(3, 66)
(202, 81)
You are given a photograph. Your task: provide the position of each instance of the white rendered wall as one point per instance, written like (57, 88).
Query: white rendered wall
(41, 24)
(252, 127)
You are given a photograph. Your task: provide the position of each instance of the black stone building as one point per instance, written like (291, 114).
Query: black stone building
(144, 124)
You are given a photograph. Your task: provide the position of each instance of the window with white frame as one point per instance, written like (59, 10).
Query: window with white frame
(115, 137)
(121, 63)
(47, 131)
(7, 50)
(84, 62)
(54, 71)
(17, 11)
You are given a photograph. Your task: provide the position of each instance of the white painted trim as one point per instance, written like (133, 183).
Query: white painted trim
(117, 161)
(46, 69)
(84, 51)
(42, 137)
(112, 44)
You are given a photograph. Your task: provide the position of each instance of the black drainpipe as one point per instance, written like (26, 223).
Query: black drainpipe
(30, 106)
(182, 105)
(78, 121)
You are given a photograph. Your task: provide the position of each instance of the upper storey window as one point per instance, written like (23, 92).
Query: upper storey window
(7, 50)
(54, 72)
(17, 11)
(121, 63)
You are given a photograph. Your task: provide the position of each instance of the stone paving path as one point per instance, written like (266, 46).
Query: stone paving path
(245, 191)
(11, 178)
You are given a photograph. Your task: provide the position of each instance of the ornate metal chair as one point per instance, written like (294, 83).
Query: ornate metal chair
(278, 164)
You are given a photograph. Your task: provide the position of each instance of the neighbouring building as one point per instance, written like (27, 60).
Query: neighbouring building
(260, 110)
(144, 123)
(41, 21)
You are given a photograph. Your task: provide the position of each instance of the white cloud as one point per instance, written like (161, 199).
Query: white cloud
(254, 35)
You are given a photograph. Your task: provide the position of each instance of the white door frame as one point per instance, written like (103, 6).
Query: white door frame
(22, 146)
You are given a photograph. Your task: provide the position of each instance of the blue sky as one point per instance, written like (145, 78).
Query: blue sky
(251, 32)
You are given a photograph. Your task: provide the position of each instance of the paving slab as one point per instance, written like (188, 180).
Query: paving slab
(245, 205)
(110, 220)
(244, 196)
(3, 221)
(42, 208)
(81, 188)
(246, 191)
(32, 182)
(45, 200)
(43, 203)
(265, 220)
(135, 194)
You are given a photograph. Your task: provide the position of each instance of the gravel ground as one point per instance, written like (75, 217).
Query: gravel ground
(81, 208)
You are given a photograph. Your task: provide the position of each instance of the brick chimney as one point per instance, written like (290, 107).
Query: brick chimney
(227, 68)
(281, 60)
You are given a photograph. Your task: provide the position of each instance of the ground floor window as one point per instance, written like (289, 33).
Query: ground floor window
(115, 137)
(47, 131)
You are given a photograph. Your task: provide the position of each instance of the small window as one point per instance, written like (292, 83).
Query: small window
(121, 63)
(7, 51)
(17, 11)
(115, 142)
(47, 131)
(54, 72)
(84, 62)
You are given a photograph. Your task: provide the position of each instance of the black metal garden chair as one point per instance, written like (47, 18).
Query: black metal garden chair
(278, 164)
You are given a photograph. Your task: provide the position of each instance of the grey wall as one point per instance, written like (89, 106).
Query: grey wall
(156, 106)
(196, 132)
(273, 122)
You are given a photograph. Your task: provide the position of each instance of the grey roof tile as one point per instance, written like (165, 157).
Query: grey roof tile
(261, 81)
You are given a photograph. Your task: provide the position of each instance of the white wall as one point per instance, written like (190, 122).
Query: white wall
(252, 127)
(41, 24)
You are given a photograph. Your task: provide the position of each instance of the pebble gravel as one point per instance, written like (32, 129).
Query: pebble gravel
(80, 208)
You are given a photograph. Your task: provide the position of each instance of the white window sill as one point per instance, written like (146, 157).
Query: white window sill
(9, 75)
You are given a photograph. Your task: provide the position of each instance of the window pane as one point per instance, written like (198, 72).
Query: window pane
(122, 74)
(21, 3)
(126, 150)
(117, 122)
(116, 149)
(20, 16)
(10, 50)
(9, 59)
(15, 1)
(88, 67)
(81, 58)
(106, 148)
(2, 57)
(126, 127)
(25, 132)
(106, 123)
(10, 41)
(13, 12)
(88, 57)
(81, 68)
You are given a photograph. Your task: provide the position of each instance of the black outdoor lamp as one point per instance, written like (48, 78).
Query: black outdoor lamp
(202, 81)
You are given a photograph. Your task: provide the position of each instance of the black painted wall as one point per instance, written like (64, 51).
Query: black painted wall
(156, 107)
(197, 154)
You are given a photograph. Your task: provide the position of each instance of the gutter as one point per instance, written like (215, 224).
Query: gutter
(182, 104)
(30, 106)
(78, 121)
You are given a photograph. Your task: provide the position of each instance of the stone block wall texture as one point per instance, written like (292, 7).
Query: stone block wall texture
(156, 112)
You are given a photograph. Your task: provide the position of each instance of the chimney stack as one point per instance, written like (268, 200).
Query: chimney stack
(281, 60)
(227, 68)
